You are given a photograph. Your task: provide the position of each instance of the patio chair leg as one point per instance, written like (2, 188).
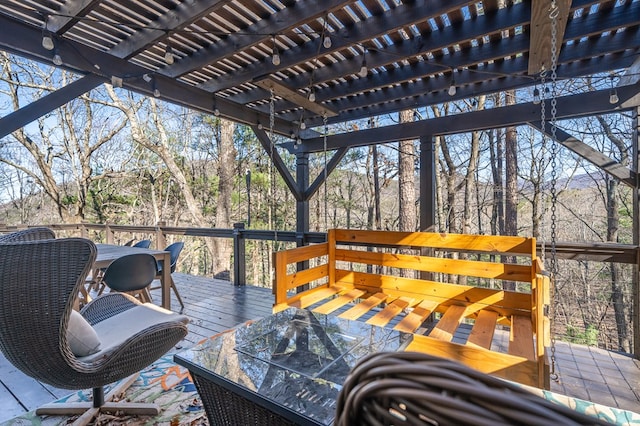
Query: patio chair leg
(175, 290)
(88, 411)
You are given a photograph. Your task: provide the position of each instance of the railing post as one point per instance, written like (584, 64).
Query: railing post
(161, 240)
(239, 255)
(83, 230)
(108, 233)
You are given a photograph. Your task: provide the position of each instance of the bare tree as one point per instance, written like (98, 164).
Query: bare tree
(58, 153)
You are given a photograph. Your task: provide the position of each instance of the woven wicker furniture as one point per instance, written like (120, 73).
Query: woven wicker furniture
(412, 388)
(39, 281)
(30, 234)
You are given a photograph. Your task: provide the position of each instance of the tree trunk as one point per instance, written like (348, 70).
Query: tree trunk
(226, 172)
(511, 184)
(617, 292)
(407, 220)
(160, 146)
(511, 181)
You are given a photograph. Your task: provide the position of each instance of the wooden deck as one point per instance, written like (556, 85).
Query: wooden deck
(588, 373)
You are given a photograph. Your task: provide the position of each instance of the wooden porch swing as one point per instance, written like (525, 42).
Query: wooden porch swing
(357, 275)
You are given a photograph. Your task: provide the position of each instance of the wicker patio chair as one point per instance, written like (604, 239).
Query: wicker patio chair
(410, 388)
(39, 281)
(29, 234)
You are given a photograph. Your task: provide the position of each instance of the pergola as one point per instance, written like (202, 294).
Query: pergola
(291, 66)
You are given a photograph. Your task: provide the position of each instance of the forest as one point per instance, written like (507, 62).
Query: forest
(112, 156)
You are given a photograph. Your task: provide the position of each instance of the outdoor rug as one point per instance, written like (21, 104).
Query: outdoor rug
(164, 383)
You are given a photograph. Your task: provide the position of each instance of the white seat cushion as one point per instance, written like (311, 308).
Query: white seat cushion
(82, 338)
(114, 331)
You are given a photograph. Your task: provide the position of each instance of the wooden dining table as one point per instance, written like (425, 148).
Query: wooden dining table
(107, 253)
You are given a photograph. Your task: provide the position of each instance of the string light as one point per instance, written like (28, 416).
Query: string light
(57, 59)
(169, 58)
(363, 68)
(312, 95)
(303, 125)
(613, 94)
(452, 88)
(536, 96)
(327, 42)
(47, 40)
(275, 59)
(116, 81)
(156, 91)
(216, 111)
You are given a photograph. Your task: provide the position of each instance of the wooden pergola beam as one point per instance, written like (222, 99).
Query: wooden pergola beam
(280, 89)
(541, 29)
(278, 23)
(36, 109)
(174, 19)
(404, 15)
(26, 40)
(277, 161)
(609, 165)
(572, 106)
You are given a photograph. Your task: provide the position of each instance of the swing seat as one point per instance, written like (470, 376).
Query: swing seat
(477, 299)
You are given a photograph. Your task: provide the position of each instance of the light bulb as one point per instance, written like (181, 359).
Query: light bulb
(168, 56)
(275, 58)
(156, 93)
(303, 125)
(116, 81)
(326, 42)
(260, 126)
(293, 135)
(363, 69)
(536, 96)
(57, 60)
(216, 112)
(312, 96)
(47, 41)
(452, 89)
(613, 97)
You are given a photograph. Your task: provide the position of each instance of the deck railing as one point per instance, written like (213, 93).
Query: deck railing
(599, 252)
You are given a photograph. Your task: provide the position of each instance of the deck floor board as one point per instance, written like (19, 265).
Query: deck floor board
(215, 306)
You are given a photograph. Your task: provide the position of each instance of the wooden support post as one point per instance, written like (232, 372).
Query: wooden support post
(161, 240)
(239, 255)
(427, 193)
(302, 207)
(635, 293)
(83, 231)
(427, 184)
(108, 234)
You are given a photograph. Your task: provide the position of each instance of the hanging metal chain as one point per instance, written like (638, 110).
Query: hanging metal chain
(326, 205)
(553, 14)
(543, 124)
(272, 115)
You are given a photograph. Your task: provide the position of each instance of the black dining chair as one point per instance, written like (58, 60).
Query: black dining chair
(131, 274)
(174, 249)
(143, 244)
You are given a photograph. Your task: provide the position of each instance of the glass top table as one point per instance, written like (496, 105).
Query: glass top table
(292, 363)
